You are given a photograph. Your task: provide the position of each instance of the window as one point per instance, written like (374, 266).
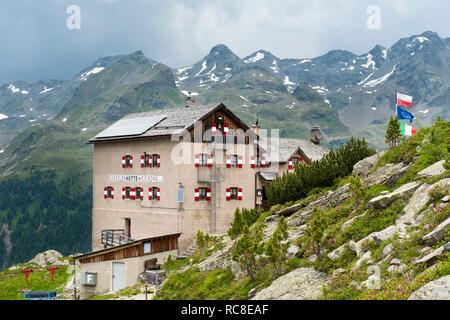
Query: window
(203, 160)
(234, 193)
(295, 160)
(139, 193)
(154, 193)
(127, 192)
(147, 247)
(234, 160)
(202, 193)
(108, 193)
(127, 161)
(150, 160)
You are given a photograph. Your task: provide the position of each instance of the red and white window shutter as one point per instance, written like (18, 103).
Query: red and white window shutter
(158, 160)
(214, 127)
(253, 162)
(143, 161)
(141, 194)
(210, 161)
(208, 194)
(228, 161)
(240, 162)
(197, 160)
(290, 165)
(150, 193)
(123, 193)
(133, 193)
(225, 128)
(158, 194)
(124, 162)
(108, 194)
(197, 194)
(228, 194)
(240, 194)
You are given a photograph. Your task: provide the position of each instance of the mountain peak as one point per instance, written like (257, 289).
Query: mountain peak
(220, 49)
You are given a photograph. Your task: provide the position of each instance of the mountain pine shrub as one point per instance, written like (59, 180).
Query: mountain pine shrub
(318, 174)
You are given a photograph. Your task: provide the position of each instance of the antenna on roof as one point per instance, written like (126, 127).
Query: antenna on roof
(189, 102)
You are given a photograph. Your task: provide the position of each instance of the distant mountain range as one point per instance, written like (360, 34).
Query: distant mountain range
(44, 125)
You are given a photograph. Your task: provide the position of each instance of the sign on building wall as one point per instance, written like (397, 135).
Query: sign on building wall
(123, 178)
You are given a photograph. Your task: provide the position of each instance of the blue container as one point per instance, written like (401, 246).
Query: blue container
(40, 295)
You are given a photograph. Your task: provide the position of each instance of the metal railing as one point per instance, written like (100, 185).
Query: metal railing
(114, 237)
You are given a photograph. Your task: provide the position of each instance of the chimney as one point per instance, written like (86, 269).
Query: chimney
(189, 102)
(315, 135)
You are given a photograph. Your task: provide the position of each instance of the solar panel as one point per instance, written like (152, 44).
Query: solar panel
(130, 127)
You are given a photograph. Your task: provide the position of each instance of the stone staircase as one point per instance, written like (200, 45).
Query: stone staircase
(190, 251)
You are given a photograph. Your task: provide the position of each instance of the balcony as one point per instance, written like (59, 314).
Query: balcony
(114, 237)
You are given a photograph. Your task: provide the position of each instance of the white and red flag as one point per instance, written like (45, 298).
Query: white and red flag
(404, 100)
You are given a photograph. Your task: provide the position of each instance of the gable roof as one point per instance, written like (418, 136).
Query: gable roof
(175, 121)
(288, 147)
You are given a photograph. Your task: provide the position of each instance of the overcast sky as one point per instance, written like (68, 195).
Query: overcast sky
(35, 42)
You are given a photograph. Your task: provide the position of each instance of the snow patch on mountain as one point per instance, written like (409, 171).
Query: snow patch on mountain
(14, 89)
(204, 67)
(258, 56)
(377, 82)
(95, 70)
(370, 62)
(46, 90)
(275, 67)
(188, 93)
(3, 116)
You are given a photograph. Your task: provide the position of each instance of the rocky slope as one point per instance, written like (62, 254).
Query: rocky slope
(389, 242)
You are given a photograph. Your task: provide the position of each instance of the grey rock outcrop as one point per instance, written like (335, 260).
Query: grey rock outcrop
(435, 290)
(299, 284)
(363, 167)
(384, 201)
(433, 170)
(437, 234)
(431, 258)
(44, 259)
(387, 175)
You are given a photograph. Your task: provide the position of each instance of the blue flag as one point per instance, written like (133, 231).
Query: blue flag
(402, 114)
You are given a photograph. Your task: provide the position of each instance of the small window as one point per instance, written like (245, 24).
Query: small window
(110, 192)
(128, 160)
(155, 193)
(203, 160)
(127, 193)
(154, 160)
(234, 193)
(147, 247)
(139, 193)
(203, 193)
(295, 160)
(234, 160)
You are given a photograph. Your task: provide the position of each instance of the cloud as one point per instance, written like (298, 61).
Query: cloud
(180, 32)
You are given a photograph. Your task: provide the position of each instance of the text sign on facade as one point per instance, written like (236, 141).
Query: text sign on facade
(122, 178)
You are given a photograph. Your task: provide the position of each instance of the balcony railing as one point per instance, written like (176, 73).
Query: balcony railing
(114, 237)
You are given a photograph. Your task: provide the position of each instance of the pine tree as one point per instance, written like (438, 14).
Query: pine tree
(247, 249)
(315, 231)
(393, 133)
(277, 246)
(237, 226)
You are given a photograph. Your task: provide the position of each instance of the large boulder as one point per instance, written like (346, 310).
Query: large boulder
(436, 290)
(433, 170)
(384, 201)
(44, 259)
(363, 167)
(337, 254)
(299, 284)
(387, 175)
(438, 234)
(375, 237)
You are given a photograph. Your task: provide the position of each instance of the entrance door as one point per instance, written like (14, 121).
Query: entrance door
(118, 276)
